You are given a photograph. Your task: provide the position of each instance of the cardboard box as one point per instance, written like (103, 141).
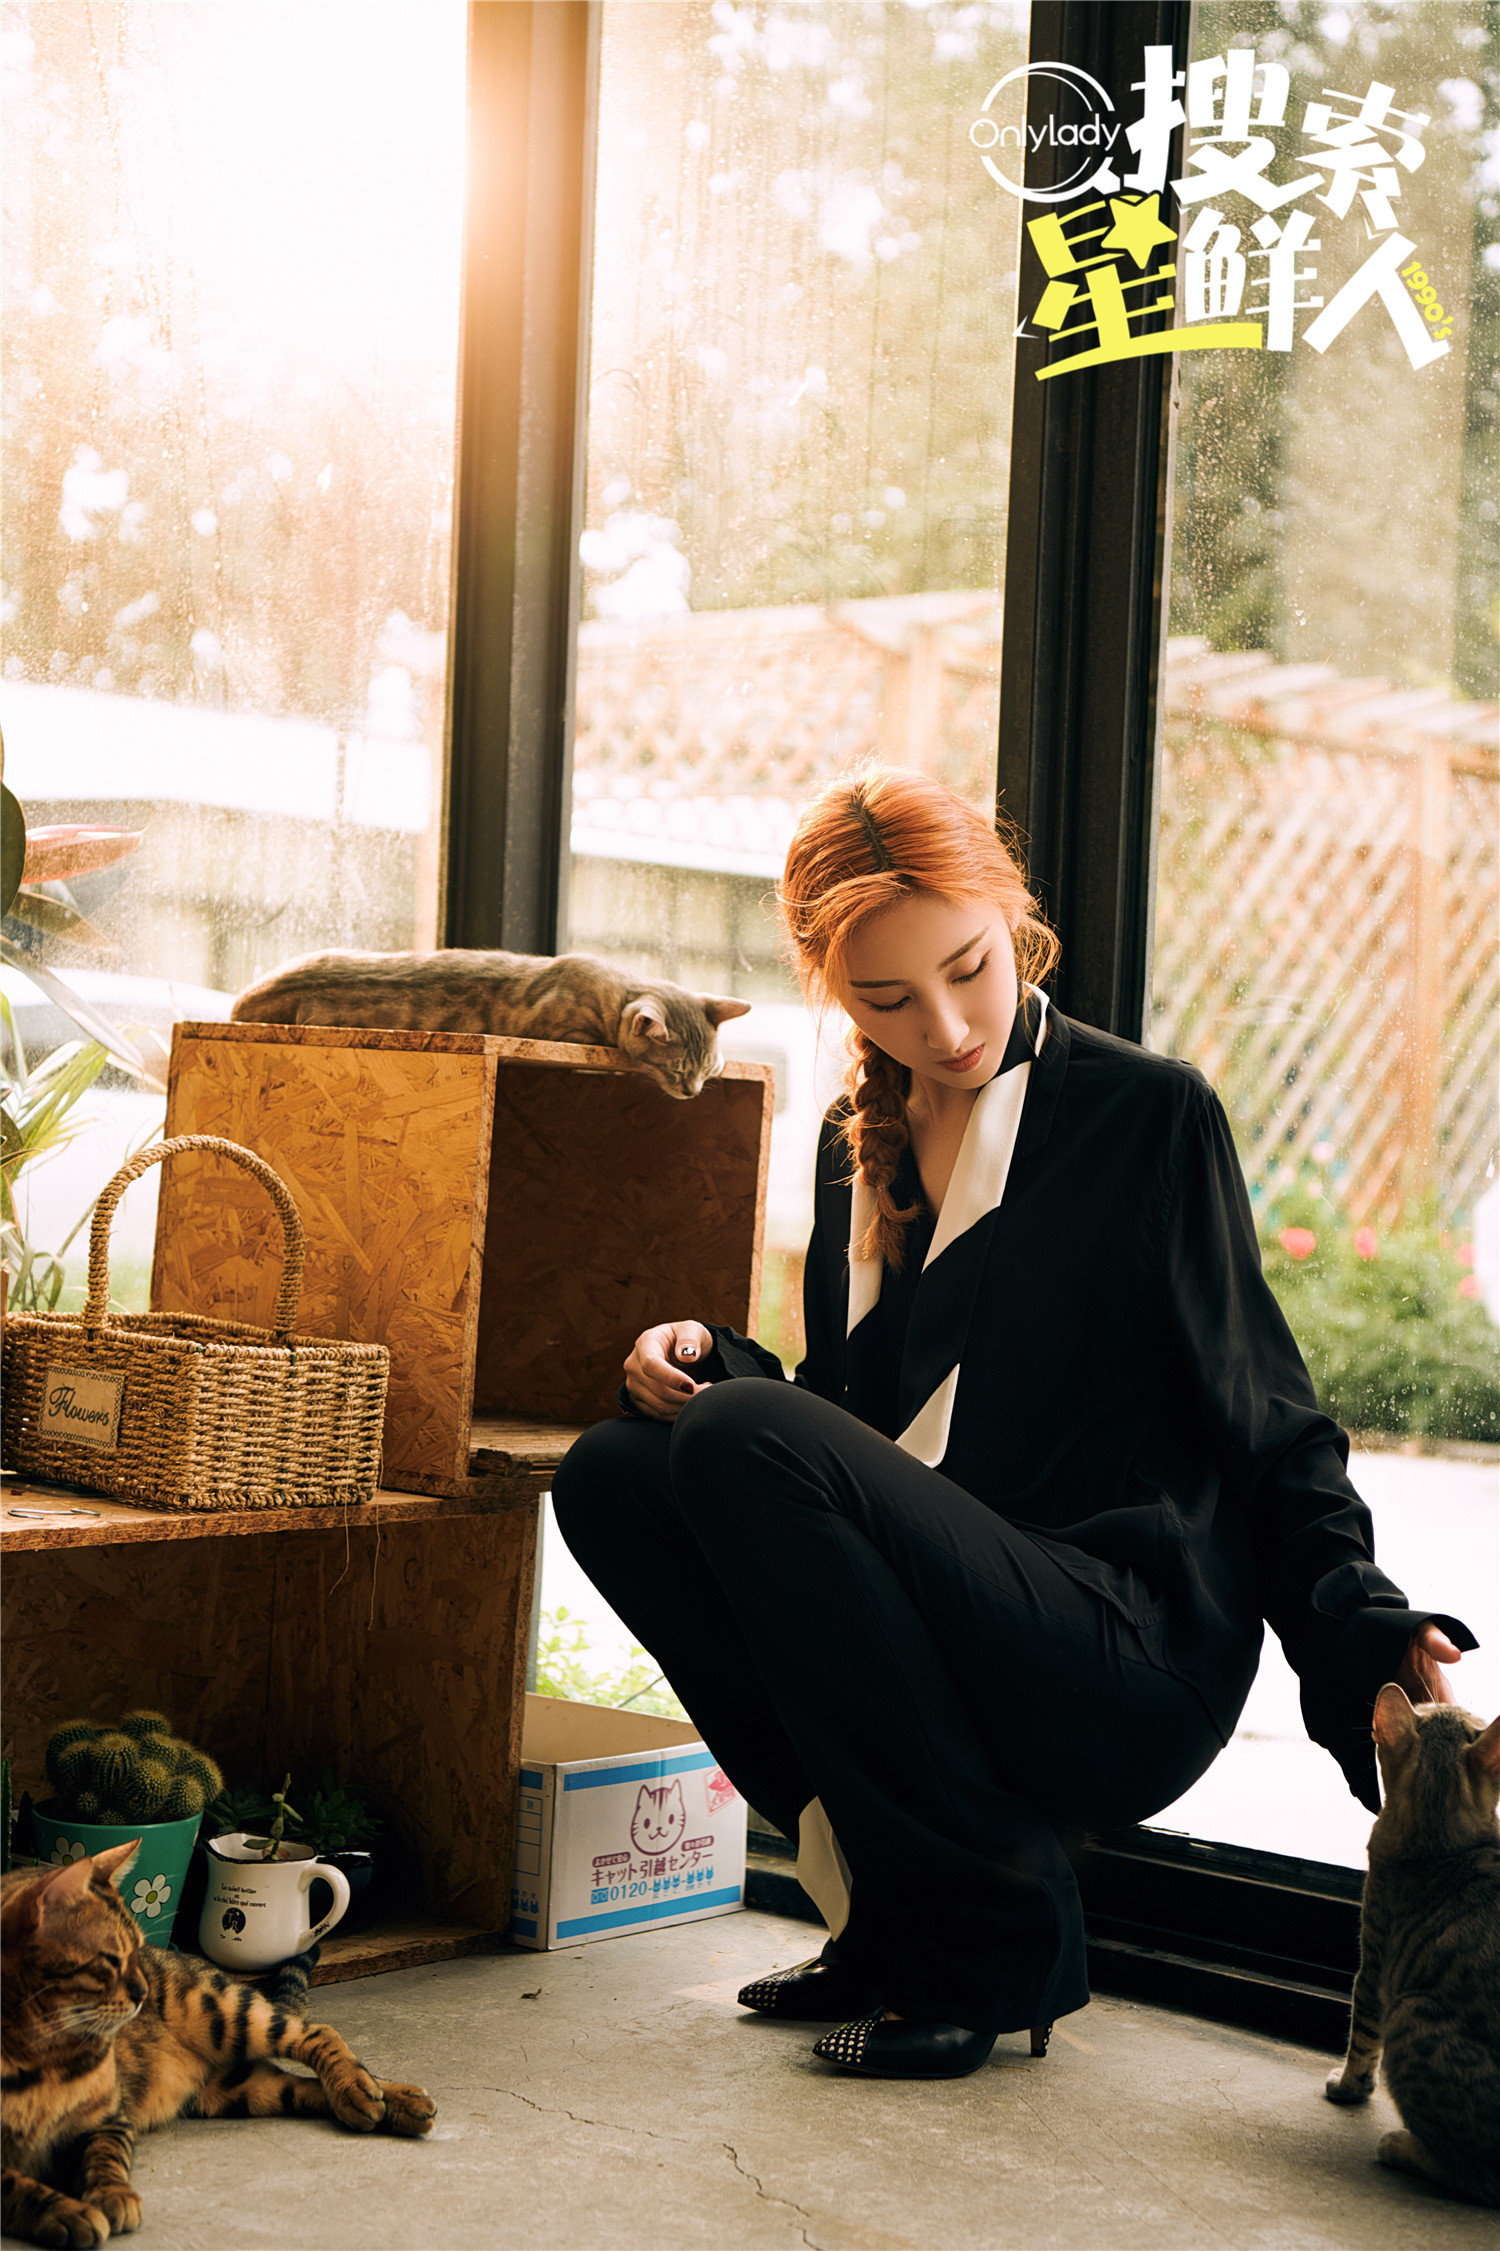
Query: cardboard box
(625, 1822)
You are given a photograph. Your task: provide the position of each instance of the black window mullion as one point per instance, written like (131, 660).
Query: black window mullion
(1236, 1934)
(532, 71)
(1085, 571)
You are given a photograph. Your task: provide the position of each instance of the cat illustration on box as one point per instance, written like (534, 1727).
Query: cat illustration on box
(659, 1028)
(659, 1821)
(1427, 1997)
(106, 2037)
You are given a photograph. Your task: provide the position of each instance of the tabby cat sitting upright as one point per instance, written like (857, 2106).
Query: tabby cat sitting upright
(659, 1028)
(1428, 1989)
(105, 2037)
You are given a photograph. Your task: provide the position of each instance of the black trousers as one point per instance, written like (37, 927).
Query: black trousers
(844, 1623)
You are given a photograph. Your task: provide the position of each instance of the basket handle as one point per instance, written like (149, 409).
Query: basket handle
(288, 1297)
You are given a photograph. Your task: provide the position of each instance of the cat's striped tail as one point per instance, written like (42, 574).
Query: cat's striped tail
(288, 1985)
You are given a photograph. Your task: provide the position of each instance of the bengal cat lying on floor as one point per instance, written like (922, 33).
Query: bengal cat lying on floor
(106, 2037)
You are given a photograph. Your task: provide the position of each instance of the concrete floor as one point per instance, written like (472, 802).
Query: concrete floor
(613, 2098)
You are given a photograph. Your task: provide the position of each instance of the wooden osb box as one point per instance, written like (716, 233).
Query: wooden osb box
(505, 1214)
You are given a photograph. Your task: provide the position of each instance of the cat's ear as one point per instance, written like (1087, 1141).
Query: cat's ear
(645, 1018)
(1394, 1721)
(20, 1912)
(108, 1865)
(1484, 1751)
(65, 1889)
(720, 1011)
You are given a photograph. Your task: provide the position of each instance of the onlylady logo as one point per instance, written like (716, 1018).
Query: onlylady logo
(1282, 228)
(1082, 119)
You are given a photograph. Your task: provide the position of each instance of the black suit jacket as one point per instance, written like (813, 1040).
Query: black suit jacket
(1128, 1389)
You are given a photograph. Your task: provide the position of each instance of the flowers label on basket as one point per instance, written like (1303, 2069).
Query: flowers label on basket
(82, 1406)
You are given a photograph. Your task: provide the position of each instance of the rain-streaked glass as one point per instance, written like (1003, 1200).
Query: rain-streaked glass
(1326, 944)
(231, 280)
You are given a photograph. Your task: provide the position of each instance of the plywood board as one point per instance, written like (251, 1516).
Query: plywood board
(399, 1656)
(383, 1147)
(92, 1633)
(611, 1206)
(395, 1655)
(402, 1945)
(503, 1481)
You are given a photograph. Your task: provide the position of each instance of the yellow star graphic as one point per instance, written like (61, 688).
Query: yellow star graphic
(1137, 228)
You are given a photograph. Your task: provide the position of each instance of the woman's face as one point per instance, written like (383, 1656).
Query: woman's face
(933, 982)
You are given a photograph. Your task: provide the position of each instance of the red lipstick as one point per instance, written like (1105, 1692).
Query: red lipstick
(962, 1063)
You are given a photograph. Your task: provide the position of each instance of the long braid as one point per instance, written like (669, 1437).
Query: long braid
(878, 1133)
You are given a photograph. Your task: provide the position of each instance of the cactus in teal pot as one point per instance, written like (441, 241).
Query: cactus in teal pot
(131, 1775)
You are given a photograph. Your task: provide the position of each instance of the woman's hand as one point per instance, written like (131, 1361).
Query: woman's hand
(1421, 1673)
(654, 1373)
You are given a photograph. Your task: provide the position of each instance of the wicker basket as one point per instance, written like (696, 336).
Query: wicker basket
(180, 1411)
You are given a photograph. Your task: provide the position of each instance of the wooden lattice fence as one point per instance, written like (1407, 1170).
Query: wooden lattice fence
(1328, 860)
(1326, 937)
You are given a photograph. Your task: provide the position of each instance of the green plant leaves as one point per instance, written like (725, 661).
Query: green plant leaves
(1391, 1337)
(56, 919)
(86, 1018)
(12, 847)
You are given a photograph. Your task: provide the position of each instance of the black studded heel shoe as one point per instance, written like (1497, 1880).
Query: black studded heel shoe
(905, 2048)
(815, 1992)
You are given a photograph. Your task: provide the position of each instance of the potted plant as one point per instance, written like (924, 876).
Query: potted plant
(334, 1820)
(261, 1903)
(337, 1820)
(133, 1779)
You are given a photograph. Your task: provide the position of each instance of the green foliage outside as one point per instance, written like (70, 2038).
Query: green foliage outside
(778, 1327)
(1390, 1322)
(1270, 543)
(563, 1669)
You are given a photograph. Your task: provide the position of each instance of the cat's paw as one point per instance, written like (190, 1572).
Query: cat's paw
(1403, 2151)
(408, 2110)
(120, 2206)
(356, 2100)
(67, 2225)
(1345, 2086)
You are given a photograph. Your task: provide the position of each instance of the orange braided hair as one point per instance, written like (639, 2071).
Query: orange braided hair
(860, 847)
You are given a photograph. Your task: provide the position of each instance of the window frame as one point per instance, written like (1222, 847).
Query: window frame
(518, 499)
(1236, 1934)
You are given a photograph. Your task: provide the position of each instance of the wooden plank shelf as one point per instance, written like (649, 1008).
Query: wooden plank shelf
(388, 1643)
(511, 1465)
(397, 1945)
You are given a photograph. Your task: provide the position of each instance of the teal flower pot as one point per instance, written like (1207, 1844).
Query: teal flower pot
(152, 1885)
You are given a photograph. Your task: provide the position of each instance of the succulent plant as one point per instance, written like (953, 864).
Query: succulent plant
(243, 1807)
(336, 1819)
(130, 1775)
(333, 1819)
(284, 1813)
